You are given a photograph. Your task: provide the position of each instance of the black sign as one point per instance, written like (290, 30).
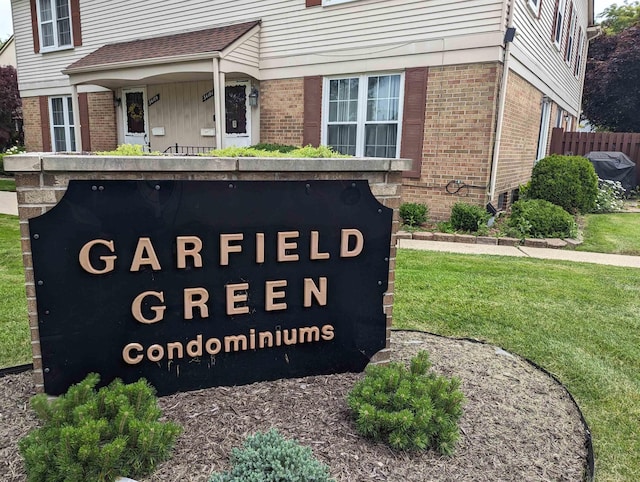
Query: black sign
(207, 95)
(154, 99)
(193, 284)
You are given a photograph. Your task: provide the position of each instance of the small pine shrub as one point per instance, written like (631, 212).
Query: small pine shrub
(413, 214)
(610, 196)
(128, 150)
(269, 457)
(274, 147)
(409, 409)
(538, 218)
(567, 181)
(88, 435)
(468, 217)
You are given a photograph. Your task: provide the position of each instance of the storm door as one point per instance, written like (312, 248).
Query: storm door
(237, 114)
(134, 102)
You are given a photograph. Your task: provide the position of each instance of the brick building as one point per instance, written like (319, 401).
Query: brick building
(468, 90)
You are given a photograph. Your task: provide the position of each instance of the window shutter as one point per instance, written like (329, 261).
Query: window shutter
(34, 27)
(74, 5)
(314, 3)
(415, 101)
(45, 124)
(312, 110)
(83, 106)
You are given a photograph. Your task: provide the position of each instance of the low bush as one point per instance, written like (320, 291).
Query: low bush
(413, 214)
(97, 435)
(409, 409)
(468, 217)
(274, 147)
(269, 457)
(128, 150)
(610, 196)
(307, 151)
(567, 181)
(538, 218)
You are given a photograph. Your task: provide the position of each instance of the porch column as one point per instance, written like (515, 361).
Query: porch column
(218, 99)
(223, 109)
(77, 129)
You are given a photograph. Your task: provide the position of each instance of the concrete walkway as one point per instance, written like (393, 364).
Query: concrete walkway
(523, 251)
(8, 203)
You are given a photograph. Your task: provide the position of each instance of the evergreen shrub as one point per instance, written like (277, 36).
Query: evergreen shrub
(468, 217)
(128, 150)
(567, 181)
(409, 409)
(274, 147)
(538, 218)
(90, 435)
(269, 457)
(413, 214)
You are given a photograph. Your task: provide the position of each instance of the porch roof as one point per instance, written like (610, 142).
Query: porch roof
(183, 46)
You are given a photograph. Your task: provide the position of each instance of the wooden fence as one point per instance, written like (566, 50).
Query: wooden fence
(581, 143)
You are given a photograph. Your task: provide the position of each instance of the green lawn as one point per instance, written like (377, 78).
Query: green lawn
(15, 341)
(579, 321)
(7, 184)
(612, 233)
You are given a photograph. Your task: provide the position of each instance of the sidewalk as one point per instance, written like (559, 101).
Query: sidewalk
(522, 251)
(8, 203)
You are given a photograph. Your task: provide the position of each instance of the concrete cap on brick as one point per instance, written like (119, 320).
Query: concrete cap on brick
(31, 162)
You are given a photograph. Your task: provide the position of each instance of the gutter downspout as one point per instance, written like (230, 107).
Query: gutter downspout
(501, 105)
(77, 128)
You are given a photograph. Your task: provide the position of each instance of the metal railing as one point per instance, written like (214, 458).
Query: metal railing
(187, 150)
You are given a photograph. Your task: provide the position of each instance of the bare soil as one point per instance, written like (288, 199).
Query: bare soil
(518, 423)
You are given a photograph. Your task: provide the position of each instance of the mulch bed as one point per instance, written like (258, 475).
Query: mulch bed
(518, 423)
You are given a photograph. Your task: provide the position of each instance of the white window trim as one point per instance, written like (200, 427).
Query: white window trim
(362, 108)
(543, 135)
(579, 53)
(568, 55)
(67, 123)
(557, 38)
(535, 9)
(55, 46)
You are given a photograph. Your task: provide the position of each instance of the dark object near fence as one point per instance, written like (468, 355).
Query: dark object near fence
(614, 166)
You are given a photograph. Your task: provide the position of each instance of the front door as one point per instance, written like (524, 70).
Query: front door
(238, 114)
(135, 117)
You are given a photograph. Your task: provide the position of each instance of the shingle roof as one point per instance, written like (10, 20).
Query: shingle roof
(187, 43)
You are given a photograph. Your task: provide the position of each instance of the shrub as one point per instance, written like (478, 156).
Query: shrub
(128, 150)
(408, 408)
(307, 151)
(413, 214)
(468, 217)
(610, 196)
(567, 181)
(89, 435)
(540, 219)
(273, 147)
(269, 457)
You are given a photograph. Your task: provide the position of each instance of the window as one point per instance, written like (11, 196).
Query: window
(54, 22)
(571, 35)
(534, 5)
(561, 6)
(363, 115)
(62, 124)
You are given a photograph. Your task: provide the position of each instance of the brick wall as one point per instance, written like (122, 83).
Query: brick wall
(282, 111)
(520, 132)
(102, 121)
(459, 132)
(38, 192)
(32, 124)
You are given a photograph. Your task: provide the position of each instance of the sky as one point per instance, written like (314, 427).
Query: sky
(6, 29)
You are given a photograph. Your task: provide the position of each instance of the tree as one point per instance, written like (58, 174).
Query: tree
(10, 102)
(617, 18)
(611, 99)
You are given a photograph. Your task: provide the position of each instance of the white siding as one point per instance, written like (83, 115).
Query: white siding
(248, 53)
(538, 60)
(305, 36)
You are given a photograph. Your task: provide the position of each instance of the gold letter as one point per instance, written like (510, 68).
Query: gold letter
(327, 333)
(145, 247)
(126, 353)
(210, 349)
(159, 353)
(194, 347)
(226, 248)
(315, 253)
(190, 302)
(175, 346)
(320, 294)
(136, 307)
(109, 261)
(239, 342)
(259, 248)
(193, 251)
(283, 246)
(233, 298)
(270, 294)
(311, 333)
(345, 252)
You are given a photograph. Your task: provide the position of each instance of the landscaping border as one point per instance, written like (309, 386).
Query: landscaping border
(553, 243)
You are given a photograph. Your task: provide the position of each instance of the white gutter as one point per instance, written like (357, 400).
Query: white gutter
(502, 98)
